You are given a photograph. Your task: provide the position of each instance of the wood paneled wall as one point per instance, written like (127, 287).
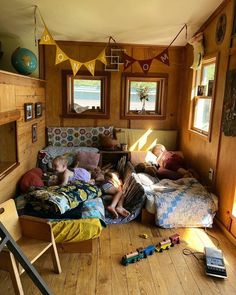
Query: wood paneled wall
(219, 152)
(87, 51)
(15, 90)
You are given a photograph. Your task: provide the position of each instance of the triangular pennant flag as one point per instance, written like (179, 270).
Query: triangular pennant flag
(60, 56)
(90, 65)
(128, 61)
(102, 57)
(145, 64)
(75, 65)
(163, 57)
(47, 38)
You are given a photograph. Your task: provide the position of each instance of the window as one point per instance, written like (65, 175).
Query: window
(203, 94)
(143, 97)
(85, 96)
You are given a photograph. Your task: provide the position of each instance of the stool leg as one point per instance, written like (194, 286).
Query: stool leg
(55, 258)
(15, 277)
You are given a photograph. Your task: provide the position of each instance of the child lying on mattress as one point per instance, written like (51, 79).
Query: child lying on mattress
(60, 165)
(112, 191)
(110, 183)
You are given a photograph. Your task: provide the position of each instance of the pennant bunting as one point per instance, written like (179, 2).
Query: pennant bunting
(90, 65)
(75, 65)
(163, 57)
(60, 56)
(46, 38)
(102, 57)
(145, 64)
(128, 61)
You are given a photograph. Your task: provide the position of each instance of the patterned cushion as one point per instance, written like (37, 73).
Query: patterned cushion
(76, 136)
(46, 156)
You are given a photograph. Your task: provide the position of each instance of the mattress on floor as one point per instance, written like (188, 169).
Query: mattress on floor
(150, 201)
(76, 230)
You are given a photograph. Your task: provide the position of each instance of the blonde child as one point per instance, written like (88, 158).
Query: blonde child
(60, 163)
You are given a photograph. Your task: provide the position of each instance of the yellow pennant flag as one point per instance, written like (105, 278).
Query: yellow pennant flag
(102, 57)
(47, 38)
(75, 65)
(90, 65)
(60, 56)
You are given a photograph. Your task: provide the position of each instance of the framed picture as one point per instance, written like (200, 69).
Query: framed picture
(28, 111)
(210, 87)
(220, 29)
(38, 109)
(34, 132)
(201, 90)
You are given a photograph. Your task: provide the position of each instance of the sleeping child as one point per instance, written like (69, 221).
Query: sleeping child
(111, 187)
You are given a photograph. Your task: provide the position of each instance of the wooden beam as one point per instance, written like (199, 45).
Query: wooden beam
(10, 116)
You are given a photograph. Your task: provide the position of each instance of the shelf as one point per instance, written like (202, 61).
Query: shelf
(203, 96)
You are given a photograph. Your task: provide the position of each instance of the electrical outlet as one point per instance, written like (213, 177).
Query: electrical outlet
(210, 174)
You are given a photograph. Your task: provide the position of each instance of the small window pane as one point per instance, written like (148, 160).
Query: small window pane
(208, 73)
(202, 113)
(140, 91)
(87, 93)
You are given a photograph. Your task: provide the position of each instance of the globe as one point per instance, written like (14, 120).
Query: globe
(24, 61)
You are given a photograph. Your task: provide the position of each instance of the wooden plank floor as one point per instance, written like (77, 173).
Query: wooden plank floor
(169, 272)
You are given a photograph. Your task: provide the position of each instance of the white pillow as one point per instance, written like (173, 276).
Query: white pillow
(147, 179)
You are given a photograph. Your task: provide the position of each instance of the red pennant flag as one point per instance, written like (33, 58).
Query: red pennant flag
(128, 61)
(145, 64)
(163, 57)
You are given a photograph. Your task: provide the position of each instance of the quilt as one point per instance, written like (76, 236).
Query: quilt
(59, 199)
(183, 203)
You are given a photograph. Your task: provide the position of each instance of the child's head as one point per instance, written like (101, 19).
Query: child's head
(158, 149)
(111, 176)
(59, 164)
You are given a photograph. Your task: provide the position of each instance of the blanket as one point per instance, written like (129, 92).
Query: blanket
(59, 199)
(184, 202)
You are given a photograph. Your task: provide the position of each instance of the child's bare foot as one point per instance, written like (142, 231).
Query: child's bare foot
(113, 211)
(122, 211)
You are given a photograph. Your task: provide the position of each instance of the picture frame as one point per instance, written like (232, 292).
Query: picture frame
(220, 29)
(111, 66)
(34, 132)
(201, 90)
(210, 87)
(38, 109)
(28, 109)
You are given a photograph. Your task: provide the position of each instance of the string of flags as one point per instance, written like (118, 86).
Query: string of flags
(145, 64)
(61, 56)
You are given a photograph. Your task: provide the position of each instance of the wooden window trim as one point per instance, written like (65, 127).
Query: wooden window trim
(208, 59)
(88, 114)
(162, 77)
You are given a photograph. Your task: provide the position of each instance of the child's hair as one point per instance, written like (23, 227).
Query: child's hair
(112, 177)
(61, 159)
(158, 149)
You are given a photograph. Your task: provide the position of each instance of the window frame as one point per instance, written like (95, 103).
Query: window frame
(160, 113)
(67, 95)
(197, 80)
